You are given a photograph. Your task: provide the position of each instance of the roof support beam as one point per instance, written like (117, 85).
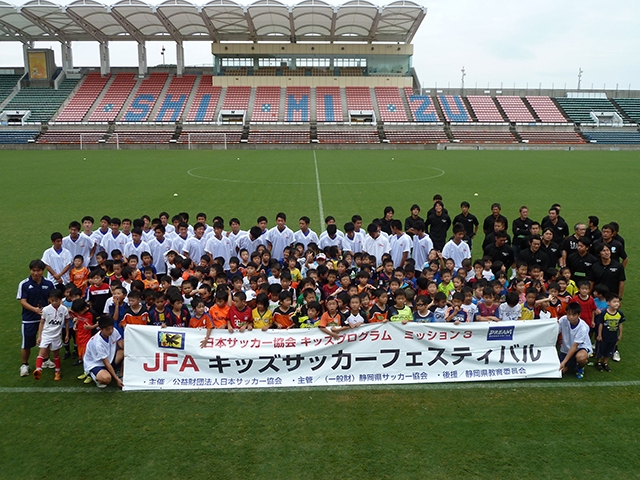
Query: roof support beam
(292, 26)
(166, 23)
(127, 25)
(374, 25)
(416, 24)
(43, 24)
(252, 29)
(334, 18)
(19, 35)
(96, 33)
(207, 23)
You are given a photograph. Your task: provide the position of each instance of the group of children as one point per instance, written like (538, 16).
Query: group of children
(300, 286)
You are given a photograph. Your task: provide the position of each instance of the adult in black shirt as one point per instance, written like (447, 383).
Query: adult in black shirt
(499, 250)
(520, 228)
(618, 252)
(385, 221)
(533, 255)
(555, 222)
(581, 261)
(469, 221)
(570, 244)
(438, 224)
(550, 248)
(498, 226)
(593, 233)
(487, 225)
(411, 222)
(607, 271)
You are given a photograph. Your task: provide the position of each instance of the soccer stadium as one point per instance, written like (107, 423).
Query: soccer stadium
(317, 114)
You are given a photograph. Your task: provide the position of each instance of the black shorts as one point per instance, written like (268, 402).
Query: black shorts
(606, 349)
(29, 334)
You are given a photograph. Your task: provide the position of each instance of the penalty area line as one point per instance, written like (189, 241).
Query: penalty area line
(320, 207)
(497, 385)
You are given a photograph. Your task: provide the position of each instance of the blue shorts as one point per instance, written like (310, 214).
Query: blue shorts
(29, 334)
(571, 364)
(95, 370)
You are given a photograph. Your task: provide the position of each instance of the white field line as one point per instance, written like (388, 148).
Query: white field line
(496, 385)
(320, 207)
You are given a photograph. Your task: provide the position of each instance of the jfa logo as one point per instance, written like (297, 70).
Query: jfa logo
(500, 333)
(171, 340)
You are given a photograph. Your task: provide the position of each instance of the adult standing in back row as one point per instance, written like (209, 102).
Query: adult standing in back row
(487, 225)
(438, 223)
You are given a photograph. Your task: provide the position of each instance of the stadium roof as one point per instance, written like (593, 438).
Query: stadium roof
(216, 21)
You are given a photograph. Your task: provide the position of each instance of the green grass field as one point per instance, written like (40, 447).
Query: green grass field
(527, 429)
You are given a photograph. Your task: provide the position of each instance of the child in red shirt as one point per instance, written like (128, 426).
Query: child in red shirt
(240, 315)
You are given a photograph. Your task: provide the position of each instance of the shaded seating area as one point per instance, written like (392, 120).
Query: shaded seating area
(84, 98)
(43, 102)
(115, 97)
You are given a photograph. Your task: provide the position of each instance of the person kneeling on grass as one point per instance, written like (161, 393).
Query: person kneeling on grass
(576, 344)
(104, 351)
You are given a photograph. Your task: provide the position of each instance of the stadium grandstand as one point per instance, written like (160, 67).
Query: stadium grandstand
(307, 74)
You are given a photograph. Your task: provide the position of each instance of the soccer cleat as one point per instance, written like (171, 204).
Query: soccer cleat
(580, 372)
(606, 367)
(77, 362)
(616, 356)
(37, 373)
(101, 385)
(88, 379)
(48, 364)
(83, 376)
(57, 376)
(599, 366)
(24, 370)
(67, 355)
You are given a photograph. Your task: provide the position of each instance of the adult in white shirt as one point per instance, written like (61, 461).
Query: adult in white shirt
(330, 238)
(375, 244)
(305, 235)
(251, 241)
(279, 237)
(352, 242)
(180, 238)
(422, 245)
(456, 249)
(194, 247)
(234, 233)
(158, 247)
(114, 240)
(78, 243)
(400, 244)
(219, 245)
(57, 260)
(136, 246)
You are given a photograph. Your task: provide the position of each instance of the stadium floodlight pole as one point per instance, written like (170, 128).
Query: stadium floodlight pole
(162, 52)
(580, 72)
(464, 74)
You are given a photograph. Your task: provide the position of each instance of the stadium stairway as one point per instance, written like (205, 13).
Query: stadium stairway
(467, 105)
(533, 113)
(440, 112)
(514, 132)
(621, 111)
(376, 107)
(313, 110)
(561, 110)
(160, 99)
(505, 117)
(630, 106)
(192, 97)
(252, 102)
(405, 104)
(283, 99)
(130, 97)
(8, 84)
(345, 109)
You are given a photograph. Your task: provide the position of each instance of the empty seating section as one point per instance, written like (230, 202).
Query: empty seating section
(265, 72)
(453, 108)
(422, 107)
(141, 136)
(205, 102)
(279, 136)
(267, 104)
(296, 72)
(390, 104)
(237, 98)
(175, 99)
(298, 100)
(579, 109)
(483, 136)
(7, 84)
(83, 100)
(71, 137)
(145, 98)
(203, 137)
(416, 136)
(515, 109)
(351, 72)
(348, 136)
(109, 107)
(630, 106)
(543, 137)
(17, 136)
(614, 136)
(546, 110)
(328, 104)
(43, 102)
(484, 108)
(359, 98)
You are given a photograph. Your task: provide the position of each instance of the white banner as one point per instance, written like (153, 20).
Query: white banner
(381, 353)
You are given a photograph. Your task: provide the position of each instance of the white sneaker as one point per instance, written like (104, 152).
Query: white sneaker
(24, 370)
(616, 356)
(48, 364)
(100, 385)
